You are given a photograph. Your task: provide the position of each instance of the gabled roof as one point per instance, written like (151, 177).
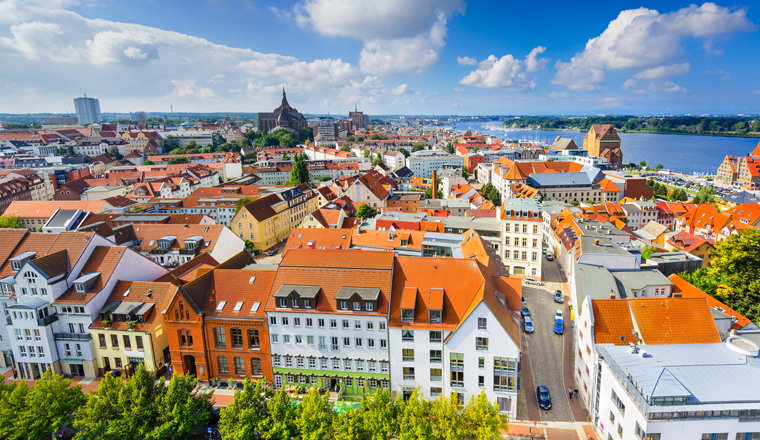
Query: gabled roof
(338, 259)
(687, 290)
(52, 265)
(45, 209)
(612, 322)
(103, 260)
(46, 244)
(322, 238)
(235, 286)
(674, 321)
(157, 293)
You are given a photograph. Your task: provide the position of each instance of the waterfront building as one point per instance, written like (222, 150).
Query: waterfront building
(603, 141)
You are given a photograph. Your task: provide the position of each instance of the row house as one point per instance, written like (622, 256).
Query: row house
(328, 320)
(366, 188)
(40, 185)
(143, 141)
(54, 285)
(522, 237)
(268, 220)
(12, 191)
(639, 213)
(454, 327)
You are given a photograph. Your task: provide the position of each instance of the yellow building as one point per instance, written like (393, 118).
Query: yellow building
(131, 329)
(142, 141)
(268, 220)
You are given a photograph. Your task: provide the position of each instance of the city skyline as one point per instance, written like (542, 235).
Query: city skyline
(429, 57)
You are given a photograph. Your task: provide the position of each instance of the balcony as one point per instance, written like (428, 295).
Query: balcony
(47, 320)
(159, 251)
(185, 251)
(72, 336)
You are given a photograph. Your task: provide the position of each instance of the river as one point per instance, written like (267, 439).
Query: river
(680, 153)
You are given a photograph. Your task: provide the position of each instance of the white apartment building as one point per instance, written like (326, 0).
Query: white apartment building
(423, 165)
(639, 213)
(201, 137)
(458, 336)
(522, 237)
(679, 391)
(328, 320)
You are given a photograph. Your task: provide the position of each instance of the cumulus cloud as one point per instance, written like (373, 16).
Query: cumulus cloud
(506, 72)
(646, 39)
(43, 46)
(403, 89)
(466, 61)
(667, 71)
(399, 37)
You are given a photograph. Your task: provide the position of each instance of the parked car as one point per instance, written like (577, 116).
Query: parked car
(549, 257)
(528, 324)
(525, 311)
(558, 314)
(558, 298)
(530, 280)
(544, 400)
(272, 252)
(559, 326)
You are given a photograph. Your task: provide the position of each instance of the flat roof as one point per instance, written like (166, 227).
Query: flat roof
(629, 281)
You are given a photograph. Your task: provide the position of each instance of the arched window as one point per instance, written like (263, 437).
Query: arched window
(239, 366)
(176, 315)
(187, 315)
(182, 338)
(224, 368)
(255, 367)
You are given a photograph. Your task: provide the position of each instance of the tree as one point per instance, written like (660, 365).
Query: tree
(643, 163)
(100, 417)
(646, 253)
(11, 221)
(300, 172)
(736, 263)
(285, 157)
(489, 192)
(429, 194)
(573, 202)
(447, 412)
(465, 174)
(405, 152)
(350, 139)
(177, 160)
(306, 133)
(170, 143)
(239, 204)
(148, 162)
(114, 151)
(378, 160)
(366, 154)
(449, 148)
(417, 147)
(345, 148)
(484, 418)
(314, 420)
(349, 424)
(279, 423)
(380, 416)
(360, 139)
(659, 166)
(47, 407)
(704, 195)
(180, 410)
(365, 211)
(590, 202)
(247, 413)
(414, 418)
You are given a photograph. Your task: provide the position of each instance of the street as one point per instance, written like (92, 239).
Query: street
(544, 347)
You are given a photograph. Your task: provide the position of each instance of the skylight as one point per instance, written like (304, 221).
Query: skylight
(251, 280)
(255, 307)
(127, 292)
(220, 306)
(238, 306)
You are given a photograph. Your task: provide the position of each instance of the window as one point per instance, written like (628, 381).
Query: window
(435, 392)
(321, 323)
(224, 368)
(297, 322)
(346, 342)
(286, 339)
(407, 315)
(481, 381)
(38, 336)
(101, 338)
(307, 304)
(370, 325)
(382, 326)
(407, 335)
(619, 403)
(255, 367)
(22, 350)
(407, 354)
(612, 418)
(299, 340)
(253, 338)
(140, 346)
(294, 303)
(284, 321)
(360, 382)
(436, 356)
(370, 343)
(310, 340)
(408, 372)
(344, 305)
(118, 362)
(347, 364)
(299, 362)
(481, 362)
(336, 364)
(357, 305)
(358, 342)
(114, 341)
(334, 343)
(333, 323)
(436, 374)
(275, 339)
(369, 306)
(288, 361)
(322, 343)
(481, 343)
(127, 343)
(272, 320)
(276, 361)
(357, 325)
(309, 323)
(323, 363)
(239, 366)
(457, 369)
(359, 365)
(482, 323)
(237, 338)
(220, 340)
(435, 316)
(345, 324)
(312, 362)
(383, 343)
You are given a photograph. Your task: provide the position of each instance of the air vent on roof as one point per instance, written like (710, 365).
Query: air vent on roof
(220, 306)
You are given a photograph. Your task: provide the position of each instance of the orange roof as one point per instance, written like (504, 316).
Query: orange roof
(142, 292)
(756, 151)
(104, 260)
(409, 298)
(608, 186)
(687, 290)
(239, 285)
(323, 238)
(338, 259)
(674, 321)
(388, 239)
(45, 209)
(46, 244)
(612, 322)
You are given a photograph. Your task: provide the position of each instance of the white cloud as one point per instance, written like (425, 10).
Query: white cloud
(667, 71)
(534, 64)
(399, 37)
(645, 39)
(403, 89)
(466, 61)
(506, 72)
(557, 95)
(43, 47)
(280, 13)
(661, 87)
(369, 90)
(458, 89)
(629, 83)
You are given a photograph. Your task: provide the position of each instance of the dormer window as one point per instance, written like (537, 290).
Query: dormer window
(283, 302)
(79, 287)
(357, 305)
(435, 316)
(407, 315)
(369, 306)
(307, 304)
(294, 303)
(344, 305)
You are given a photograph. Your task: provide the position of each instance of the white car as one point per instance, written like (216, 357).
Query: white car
(558, 314)
(530, 280)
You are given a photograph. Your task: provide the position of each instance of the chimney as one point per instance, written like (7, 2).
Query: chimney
(596, 242)
(435, 185)
(676, 294)
(311, 244)
(612, 296)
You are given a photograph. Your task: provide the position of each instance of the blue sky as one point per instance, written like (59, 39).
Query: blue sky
(387, 56)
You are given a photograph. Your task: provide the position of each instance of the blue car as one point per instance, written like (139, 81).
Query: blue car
(544, 400)
(559, 326)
